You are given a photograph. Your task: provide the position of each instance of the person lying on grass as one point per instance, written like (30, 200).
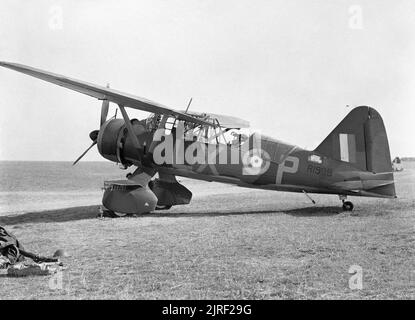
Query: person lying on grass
(12, 251)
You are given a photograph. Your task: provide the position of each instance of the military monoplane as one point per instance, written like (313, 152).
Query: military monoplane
(353, 160)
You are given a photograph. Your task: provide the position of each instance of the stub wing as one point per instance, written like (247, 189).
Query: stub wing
(102, 93)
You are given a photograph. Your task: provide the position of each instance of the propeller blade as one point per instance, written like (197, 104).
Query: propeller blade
(104, 109)
(84, 153)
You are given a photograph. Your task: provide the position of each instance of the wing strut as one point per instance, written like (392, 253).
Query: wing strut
(130, 130)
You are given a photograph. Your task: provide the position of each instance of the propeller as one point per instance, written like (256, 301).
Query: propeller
(94, 134)
(104, 112)
(84, 153)
(94, 137)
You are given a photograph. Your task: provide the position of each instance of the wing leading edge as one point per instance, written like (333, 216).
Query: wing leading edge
(102, 93)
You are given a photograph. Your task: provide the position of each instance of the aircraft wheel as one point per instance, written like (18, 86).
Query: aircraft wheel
(348, 206)
(118, 214)
(163, 207)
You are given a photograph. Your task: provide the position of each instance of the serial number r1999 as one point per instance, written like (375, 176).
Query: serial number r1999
(317, 170)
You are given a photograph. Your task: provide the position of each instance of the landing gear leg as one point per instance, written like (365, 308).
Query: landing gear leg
(347, 205)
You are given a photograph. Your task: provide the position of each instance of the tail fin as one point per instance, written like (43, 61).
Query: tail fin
(360, 139)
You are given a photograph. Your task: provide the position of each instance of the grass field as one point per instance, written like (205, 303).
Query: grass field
(233, 245)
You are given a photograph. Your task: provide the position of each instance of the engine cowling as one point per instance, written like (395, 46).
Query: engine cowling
(115, 144)
(108, 138)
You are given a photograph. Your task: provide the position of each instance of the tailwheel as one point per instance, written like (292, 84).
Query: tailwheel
(348, 206)
(159, 207)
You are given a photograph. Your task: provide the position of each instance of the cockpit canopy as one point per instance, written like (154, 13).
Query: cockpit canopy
(224, 129)
(224, 121)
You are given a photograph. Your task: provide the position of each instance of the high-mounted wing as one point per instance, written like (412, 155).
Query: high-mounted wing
(103, 93)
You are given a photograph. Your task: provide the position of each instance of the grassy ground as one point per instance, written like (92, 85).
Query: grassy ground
(242, 244)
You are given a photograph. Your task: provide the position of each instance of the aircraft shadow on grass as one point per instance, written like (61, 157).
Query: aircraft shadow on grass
(91, 212)
(298, 212)
(59, 215)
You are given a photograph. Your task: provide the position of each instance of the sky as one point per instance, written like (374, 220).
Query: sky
(293, 68)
